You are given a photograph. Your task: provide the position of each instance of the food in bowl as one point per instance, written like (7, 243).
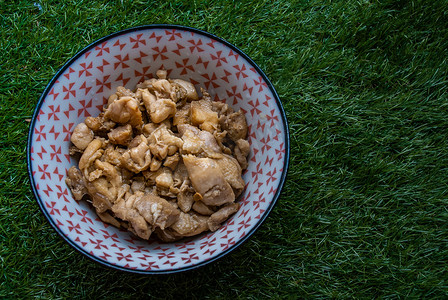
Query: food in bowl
(161, 159)
(83, 85)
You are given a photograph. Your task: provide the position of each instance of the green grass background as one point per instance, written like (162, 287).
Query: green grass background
(364, 210)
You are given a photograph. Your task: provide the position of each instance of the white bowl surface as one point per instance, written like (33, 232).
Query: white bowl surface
(81, 88)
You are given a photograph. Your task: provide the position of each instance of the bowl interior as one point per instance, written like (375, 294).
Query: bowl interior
(81, 88)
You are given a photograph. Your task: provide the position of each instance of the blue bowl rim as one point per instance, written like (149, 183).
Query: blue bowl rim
(138, 28)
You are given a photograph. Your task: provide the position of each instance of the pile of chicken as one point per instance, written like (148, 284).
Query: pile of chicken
(160, 160)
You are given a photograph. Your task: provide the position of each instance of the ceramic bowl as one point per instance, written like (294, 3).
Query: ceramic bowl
(81, 88)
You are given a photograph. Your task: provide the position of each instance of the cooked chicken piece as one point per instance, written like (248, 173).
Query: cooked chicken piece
(161, 74)
(162, 86)
(147, 84)
(158, 109)
(221, 108)
(167, 124)
(124, 110)
(138, 97)
(121, 135)
(185, 201)
(109, 171)
(106, 125)
(235, 125)
(215, 220)
(218, 107)
(82, 136)
(220, 138)
(126, 176)
(111, 99)
(149, 128)
(161, 139)
(196, 141)
(91, 153)
(210, 145)
(155, 164)
(183, 128)
(168, 235)
(172, 150)
(180, 176)
(165, 179)
(231, 170)
(178, 94)
(192, 143)
(93, 123)
(172, 161)
(181, 173)
(74, 151)
(156, 211)
(106, 217)
(189, 224)
(137, 158)
(102, 192)
(150, 177)
(173, 202)
(138, 184)
(75, 181)
(137, 141)
(244, 146)
(182, 115)
(122, 191)
(123, 92)
(90, 174)
(113, 154)
(168, 193)
(202, 209)
(124, 210)
(208, 180)
(206, 96)
(188, 87)
(242, 149)
(99, 124)
(203, 116)
(181, 179)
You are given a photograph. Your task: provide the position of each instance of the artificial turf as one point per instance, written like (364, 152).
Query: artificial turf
(364, 209)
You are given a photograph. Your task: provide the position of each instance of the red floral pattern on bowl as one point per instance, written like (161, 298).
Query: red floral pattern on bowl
(81, 88)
